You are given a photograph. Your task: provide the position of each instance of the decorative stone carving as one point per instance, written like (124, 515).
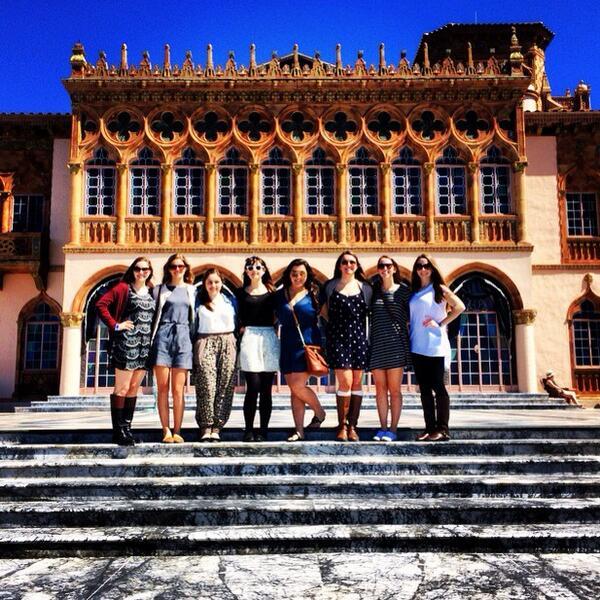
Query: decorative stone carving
(525, 316)
(71, 319)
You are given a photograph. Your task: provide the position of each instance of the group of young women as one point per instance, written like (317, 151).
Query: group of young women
(175, 327)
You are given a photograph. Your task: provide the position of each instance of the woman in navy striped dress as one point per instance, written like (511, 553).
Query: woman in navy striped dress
(389, 343)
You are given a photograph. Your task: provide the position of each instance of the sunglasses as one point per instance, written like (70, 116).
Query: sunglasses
(346, 262)
(421, 266)
(385, 265)
(141, 269)
(254, 267)
(176, 267)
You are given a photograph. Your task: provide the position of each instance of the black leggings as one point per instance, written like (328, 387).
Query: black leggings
(258, 383)
(430, 377)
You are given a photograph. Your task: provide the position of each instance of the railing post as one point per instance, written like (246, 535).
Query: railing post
(211, 202)
(429, 201)
(298, 207)
(341, 201)
(166, 203)
(122, 173)
(76, 176)
(386, 202)
(473, 200)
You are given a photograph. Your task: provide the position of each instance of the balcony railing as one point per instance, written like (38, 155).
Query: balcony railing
(275, 230)
(143, 230)
(453, 228)
(187, 230)
(231, 230)
(98, 230)
(587, 381)
(498, 228)
(20, 247)
(583, 249)
(319, 230)
(408, 230)
(364, 230)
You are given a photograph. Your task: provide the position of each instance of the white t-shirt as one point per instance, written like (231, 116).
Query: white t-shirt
(219, 320)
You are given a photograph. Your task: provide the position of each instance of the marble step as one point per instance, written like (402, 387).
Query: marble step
(175, 466)
(301, 486)
(138, 541)
(241, 449)
(299, 511)
(98, 435)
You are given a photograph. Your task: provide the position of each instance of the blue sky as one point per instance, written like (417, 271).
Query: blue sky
(36, 36)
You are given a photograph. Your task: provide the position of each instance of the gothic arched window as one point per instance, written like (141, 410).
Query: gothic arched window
(586, 335)
(276, 184)
(319, 182)
(494, 175)
(40, 348)
(451, 183)
(188, 185)
(362, 185)
(233, 185)
(144, 185)
(406, 184)
(100, 184)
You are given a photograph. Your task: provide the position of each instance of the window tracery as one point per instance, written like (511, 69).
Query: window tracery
(320, 184)
(363, 184)
(451, 194)
(100, 184)
(495, 178)
(276, 184)
(188, 185)
(406, 184)
(144, 182)
(233, 184)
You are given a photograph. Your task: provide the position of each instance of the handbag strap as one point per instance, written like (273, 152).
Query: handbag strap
(295, 319)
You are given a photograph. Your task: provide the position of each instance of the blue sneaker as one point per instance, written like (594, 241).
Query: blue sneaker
(379, 435)
(389, 436)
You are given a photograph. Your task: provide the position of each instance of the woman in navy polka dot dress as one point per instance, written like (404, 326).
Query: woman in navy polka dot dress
(346, 304)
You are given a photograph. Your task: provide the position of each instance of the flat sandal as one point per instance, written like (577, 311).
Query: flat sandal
(295, 437)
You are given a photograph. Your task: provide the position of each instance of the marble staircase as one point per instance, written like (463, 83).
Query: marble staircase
(490, 490)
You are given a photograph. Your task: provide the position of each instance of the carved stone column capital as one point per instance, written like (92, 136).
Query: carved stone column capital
(74, 168)
(385, 168)
(473, 167)
(428, 167)
(166, 168)
(254, 167)
(519, 166)
(121, 168)
(341, 167)
(297, 168)
(71, 319)
(525, 316)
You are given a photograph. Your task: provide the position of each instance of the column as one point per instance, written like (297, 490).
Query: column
(70, 370)
(298, 208)
(525, 348)
(76, 176)
(520, 204)
(473, 200)
(211, 203)
(386, 203)
(254, 208)
(121, 204)
(166, 203)
(6, 200)
(341, 201)
(429, 201)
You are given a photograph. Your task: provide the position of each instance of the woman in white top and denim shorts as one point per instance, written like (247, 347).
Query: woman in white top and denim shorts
(432, 307)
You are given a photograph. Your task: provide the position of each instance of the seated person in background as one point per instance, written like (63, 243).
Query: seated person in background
(555, 391)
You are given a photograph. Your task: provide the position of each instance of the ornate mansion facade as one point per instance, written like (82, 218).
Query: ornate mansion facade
(463, 153)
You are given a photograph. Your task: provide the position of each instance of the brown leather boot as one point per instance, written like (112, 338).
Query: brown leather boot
(343, 405)
(353, 414)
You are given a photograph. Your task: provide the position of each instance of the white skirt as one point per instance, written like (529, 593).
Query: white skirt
(259, 350)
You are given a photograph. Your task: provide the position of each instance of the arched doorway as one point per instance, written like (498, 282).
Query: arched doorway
(482, 339)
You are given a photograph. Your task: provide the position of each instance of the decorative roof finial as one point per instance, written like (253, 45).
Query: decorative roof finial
(515, 58)
(209, 71)
(470, 63)
(426, 63)
(339, 68)
(230, 66)
(296, 71)
(252, 65)
(166, 70)
(77, 60)
(382, 65)
(123, 67)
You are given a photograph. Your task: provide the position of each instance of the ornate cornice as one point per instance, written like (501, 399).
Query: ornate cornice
(525, 316)
(71, 319)
(565, 267)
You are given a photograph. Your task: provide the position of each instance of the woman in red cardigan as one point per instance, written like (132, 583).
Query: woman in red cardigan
(127, 309)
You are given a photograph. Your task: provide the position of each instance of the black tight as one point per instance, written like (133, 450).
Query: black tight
(430, 377)
(258, 383)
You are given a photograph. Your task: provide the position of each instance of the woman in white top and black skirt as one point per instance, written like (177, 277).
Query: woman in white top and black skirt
(432, 307)
(259, 347)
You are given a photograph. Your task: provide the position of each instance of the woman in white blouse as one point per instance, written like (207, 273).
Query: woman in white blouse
(214, 355)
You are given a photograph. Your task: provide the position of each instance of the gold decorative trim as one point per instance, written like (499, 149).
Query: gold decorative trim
(71, 319)
(525, 316)
(565, 267)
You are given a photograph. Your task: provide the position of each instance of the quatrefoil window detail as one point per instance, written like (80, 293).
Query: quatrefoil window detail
(166, 125)
(296, 125)
(427, 125)
(88, 126)
(471, 125)
(384, 126)
(507, 123)
(122, 126)
(211, 126)
(254, 126)
(341, 126)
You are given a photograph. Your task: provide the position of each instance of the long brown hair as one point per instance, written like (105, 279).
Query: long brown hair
(310, 284)
(378, 282)
(266, 276)
(188, 277)
(437, 279)
(129, 277)
(202, 291)
(337, 270)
